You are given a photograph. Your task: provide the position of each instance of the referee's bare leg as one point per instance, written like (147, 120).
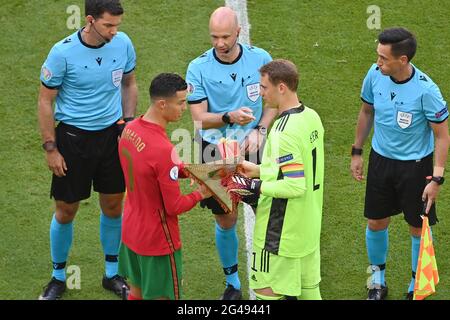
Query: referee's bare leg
(65, 212)
(378, 224)
(111, 204)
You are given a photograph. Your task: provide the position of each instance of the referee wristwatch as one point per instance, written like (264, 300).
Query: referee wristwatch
(226, 118)
(49, 146)
(439, 180)
(356, 151)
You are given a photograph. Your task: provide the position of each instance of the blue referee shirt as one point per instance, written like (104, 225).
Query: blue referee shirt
(403, 112)
(88, 80)
(227, 87)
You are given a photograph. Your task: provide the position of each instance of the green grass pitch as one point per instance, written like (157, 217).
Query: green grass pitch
(333, 48)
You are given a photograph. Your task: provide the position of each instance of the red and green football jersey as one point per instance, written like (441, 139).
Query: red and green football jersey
(154, 200)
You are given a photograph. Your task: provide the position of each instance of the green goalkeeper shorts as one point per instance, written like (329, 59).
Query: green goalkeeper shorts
(156, 276)
(286, 276)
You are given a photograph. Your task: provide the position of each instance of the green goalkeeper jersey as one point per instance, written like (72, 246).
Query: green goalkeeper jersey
(289, 213)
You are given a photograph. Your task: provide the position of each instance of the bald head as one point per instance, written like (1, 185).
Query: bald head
(224, 18)
(224, 31)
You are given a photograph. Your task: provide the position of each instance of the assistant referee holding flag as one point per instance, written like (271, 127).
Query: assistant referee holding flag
(409, 116)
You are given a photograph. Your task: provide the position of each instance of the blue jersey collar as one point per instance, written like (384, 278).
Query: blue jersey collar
(85, 44)
(235, 60)
(413, 73)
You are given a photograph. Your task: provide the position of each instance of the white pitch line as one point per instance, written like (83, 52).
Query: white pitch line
(240, 6)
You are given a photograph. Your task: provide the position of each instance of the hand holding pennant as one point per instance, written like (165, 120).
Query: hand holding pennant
(427, 276)
(214, 175)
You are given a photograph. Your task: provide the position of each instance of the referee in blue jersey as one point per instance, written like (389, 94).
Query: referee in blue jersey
(409, 116)
(89, 75)
(225, 102)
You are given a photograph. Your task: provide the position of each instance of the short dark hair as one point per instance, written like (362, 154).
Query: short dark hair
(166, 85)
(401, 40)
(281, 70)
(97, 8)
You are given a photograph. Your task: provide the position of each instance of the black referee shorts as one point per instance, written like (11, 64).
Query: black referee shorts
(92, 158)
(395, 186)
(210, 152)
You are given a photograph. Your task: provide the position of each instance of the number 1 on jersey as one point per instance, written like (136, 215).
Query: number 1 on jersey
(314, 156)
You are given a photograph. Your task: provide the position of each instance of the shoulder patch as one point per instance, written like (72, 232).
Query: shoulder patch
(46, 73)
(441, 113)
(285, 158)
(190, 89)
(174, 173)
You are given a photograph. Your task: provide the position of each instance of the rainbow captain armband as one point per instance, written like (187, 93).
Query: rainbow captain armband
(293, 170)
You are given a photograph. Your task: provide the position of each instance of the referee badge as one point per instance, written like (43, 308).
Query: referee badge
(404, 119)
(174, 173)
(253, 91)
(117, 77)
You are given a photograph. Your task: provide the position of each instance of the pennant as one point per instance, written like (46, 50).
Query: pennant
(427, 276)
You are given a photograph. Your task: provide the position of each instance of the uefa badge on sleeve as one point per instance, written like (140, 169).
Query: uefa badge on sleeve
(46, 73)
(190, 89)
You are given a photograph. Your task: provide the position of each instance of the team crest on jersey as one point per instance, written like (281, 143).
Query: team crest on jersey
(190, 89)
(404, 119)
(174, 173)
(117, 77)
(46, 73)
(253, 91)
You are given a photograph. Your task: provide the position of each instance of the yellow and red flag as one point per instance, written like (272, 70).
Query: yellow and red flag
(427, 276)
